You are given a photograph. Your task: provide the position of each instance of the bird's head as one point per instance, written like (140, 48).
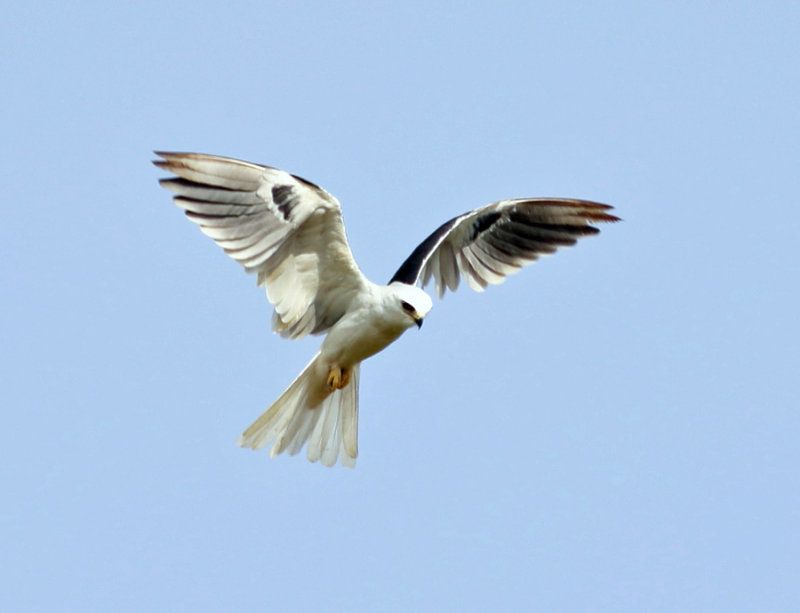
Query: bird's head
(411, 301)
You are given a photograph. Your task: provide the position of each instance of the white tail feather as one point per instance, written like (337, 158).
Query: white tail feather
(308, 412)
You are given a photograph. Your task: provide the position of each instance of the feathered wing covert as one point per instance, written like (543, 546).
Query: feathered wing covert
(290, 232)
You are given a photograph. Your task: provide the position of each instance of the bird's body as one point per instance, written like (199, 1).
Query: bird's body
(290, 232)
(372, 323)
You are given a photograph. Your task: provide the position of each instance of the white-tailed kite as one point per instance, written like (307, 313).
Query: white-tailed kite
(291, 233)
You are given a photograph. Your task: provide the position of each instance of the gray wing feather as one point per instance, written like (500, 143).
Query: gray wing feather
(280, 226)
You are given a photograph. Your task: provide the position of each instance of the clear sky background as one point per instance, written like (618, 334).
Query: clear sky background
(613, 429)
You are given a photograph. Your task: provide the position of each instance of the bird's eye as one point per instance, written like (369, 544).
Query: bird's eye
(407, 307)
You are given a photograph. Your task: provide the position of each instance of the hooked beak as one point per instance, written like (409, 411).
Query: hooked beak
(418, 321)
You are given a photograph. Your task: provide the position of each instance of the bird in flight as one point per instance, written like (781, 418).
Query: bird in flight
(290, 232)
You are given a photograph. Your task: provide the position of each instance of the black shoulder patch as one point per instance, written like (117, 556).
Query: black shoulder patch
(283, 197)
(307, 182)
(410, 269)
(483, 223)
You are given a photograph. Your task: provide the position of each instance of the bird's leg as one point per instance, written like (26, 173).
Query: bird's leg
(338, 378)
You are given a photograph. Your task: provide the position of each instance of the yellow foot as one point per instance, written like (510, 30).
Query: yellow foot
(337, 378)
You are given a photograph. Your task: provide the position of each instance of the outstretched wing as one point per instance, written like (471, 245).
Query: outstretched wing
(283, 227)
(490, 243)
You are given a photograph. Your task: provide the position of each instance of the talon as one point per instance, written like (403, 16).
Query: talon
(337, 378)
(334, 377)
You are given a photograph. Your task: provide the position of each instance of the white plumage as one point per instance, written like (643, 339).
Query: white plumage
(290, 232)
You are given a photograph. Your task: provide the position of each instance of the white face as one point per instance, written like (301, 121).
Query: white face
(412, 301)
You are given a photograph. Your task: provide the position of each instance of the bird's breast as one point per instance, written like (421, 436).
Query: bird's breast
(357, 336)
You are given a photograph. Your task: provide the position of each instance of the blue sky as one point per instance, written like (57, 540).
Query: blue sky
(613, 429)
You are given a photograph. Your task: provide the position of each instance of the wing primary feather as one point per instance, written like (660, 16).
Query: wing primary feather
(198, 191)
(480, 267)
(204, 207)
(449, 267)
(212, 170)
(494, 260)
(473, 279)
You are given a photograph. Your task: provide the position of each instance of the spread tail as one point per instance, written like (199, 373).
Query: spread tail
(309, 412)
